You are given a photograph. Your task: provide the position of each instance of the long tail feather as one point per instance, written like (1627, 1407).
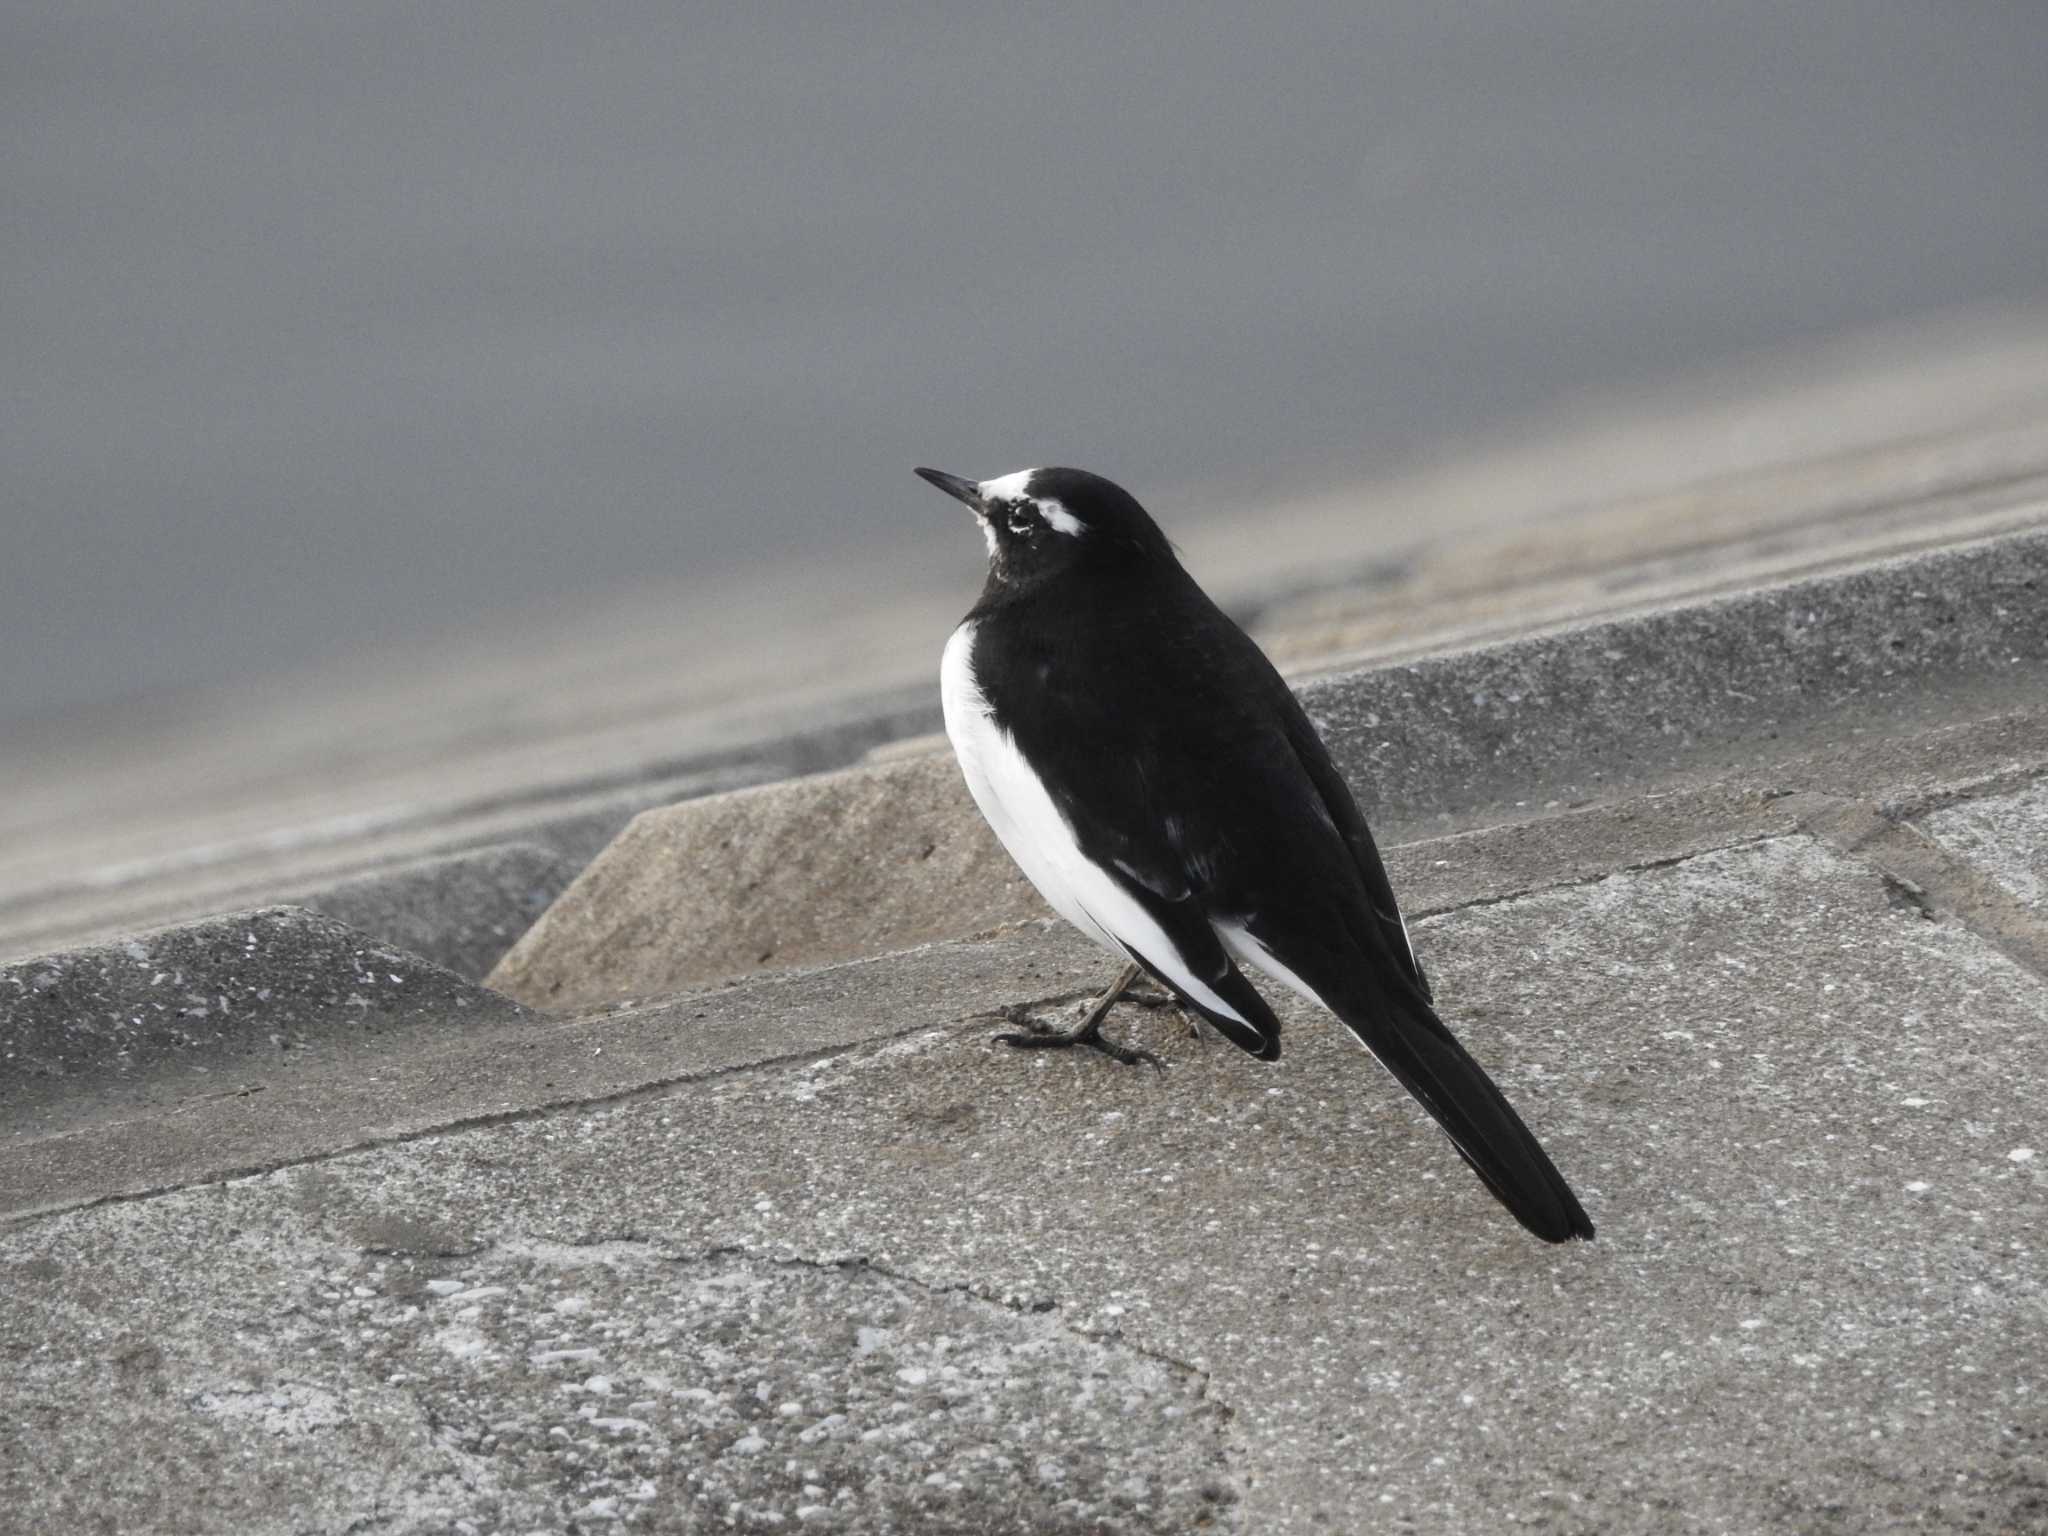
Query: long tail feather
(1411, 1042)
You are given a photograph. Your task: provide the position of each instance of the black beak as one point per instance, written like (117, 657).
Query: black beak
(954, 486)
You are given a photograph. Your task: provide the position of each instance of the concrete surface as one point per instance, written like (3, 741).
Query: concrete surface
(210, 1007)
(237, 856)
(462, 911)
(439, 1077)
(802, 873)
(927, 1283)
(1693, 689)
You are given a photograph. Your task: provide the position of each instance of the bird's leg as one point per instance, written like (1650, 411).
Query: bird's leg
(1089, 1031)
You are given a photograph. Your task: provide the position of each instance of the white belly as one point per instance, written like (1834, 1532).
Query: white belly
(1011, 797)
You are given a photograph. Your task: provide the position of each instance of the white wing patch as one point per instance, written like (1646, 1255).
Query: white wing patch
(1021, 813)
(1413, 963)
(1239, 944)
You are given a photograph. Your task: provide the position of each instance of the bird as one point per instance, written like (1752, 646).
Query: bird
(1151, 774)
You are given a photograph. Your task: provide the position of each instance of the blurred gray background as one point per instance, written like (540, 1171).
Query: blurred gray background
(329, 326)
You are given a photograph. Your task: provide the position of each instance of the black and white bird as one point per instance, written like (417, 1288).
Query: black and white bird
(1152, 775)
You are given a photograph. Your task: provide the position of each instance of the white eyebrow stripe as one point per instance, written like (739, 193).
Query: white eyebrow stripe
(1011, 487)
(1058, 518)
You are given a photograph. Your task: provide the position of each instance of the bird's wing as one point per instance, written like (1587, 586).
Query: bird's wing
(1350, 822)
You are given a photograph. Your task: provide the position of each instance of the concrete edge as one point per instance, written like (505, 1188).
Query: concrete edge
(214, 1005)
(1589, 710)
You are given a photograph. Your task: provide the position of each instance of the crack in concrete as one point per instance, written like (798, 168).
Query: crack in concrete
(650, 1090)
(1919, 872)
(626, 1253)
(844, 1264)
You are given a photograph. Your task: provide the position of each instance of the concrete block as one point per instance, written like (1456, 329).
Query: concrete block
(462, 911)
(133, 1023)
(806, 873)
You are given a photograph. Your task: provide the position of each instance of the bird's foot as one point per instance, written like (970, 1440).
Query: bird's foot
(1036, 1035)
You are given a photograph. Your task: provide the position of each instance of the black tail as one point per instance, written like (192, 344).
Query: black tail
(1410, 1041)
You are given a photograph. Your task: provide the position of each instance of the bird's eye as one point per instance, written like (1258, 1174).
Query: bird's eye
(1022, 521)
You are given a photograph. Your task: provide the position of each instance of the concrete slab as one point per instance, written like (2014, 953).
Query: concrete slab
(2004, 835)
(806, 873)
(462, 911)
(1804, 1115)
(107, 1032)
(305, 1103)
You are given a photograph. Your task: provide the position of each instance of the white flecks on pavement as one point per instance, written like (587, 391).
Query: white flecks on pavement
(463, 1343)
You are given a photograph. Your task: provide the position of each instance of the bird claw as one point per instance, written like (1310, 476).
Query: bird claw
(1043, 1037)
(1034, 1034)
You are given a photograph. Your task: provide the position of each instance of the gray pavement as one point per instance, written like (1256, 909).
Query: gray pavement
(925, 1283)
(807, 1251)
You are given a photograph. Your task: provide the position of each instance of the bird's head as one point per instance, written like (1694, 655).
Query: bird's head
(1039, 522)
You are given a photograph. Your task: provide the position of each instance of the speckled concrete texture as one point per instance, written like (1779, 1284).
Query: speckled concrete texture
(1804, 1113)
(2006, 836)
(344, 1093)
(109, 1030)
(1714, 686)
(609, 1385)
